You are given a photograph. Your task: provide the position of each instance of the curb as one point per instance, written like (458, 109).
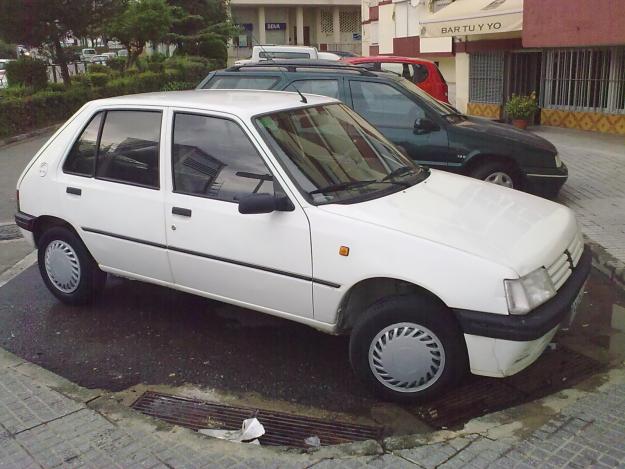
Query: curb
(607, 264)
(35, 133)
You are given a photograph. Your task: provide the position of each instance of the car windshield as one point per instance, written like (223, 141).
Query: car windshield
(335, 156)
(443, 110)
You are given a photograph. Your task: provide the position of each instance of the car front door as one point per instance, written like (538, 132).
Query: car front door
(261, 260)
(112, 187)
(395, 115)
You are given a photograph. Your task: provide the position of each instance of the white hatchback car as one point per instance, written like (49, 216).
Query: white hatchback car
(303, 210)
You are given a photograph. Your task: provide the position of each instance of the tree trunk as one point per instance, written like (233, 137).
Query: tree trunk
(62, 60)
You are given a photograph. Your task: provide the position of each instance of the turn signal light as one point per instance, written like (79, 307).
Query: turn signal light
(344, 251)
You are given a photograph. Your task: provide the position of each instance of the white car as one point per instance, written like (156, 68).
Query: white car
(3, 70)
(268, 52)
(295, 206)
(87, 54)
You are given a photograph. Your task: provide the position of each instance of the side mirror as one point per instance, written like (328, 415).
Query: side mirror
(264, 203)
(424, 126)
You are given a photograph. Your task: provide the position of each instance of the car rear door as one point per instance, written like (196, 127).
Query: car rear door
(394, 113)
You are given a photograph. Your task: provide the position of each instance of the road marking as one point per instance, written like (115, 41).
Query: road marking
(18, 268)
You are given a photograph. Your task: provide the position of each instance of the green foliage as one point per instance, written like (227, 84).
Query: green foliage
(140, 22)
(7, 51)
(117, 64)
(177, 86)
(156, 57)
(27, 72)
(189, 68)
(521, 107)
(98, 68)
(55, 87)
(98, 79)
(17, 91)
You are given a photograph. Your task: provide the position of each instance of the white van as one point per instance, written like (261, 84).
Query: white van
(293, 205)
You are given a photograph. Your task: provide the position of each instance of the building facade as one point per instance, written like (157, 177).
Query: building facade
(326, 24)
(582, 48)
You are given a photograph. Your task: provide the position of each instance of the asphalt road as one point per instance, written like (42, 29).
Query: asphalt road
(140, 333)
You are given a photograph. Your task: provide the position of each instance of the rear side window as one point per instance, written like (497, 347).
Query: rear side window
(214, 158)
(420, 73)
(129, 148)
(284, 55)
(323, 87)
(81, 158)
(241, 83)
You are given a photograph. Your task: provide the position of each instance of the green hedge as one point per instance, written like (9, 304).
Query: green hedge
(21, 110)
(27, 72)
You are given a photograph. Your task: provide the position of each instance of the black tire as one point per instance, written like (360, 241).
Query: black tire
(423, 312)
(484, 170)
(90, 280)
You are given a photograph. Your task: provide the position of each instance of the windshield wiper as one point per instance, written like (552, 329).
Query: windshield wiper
(341, 186)
(398, 172)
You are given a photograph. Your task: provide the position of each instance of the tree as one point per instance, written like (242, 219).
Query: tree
(139, 22)
(201, 27)
(46, 23)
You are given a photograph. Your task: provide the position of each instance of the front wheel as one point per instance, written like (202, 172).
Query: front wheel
(67, 268)
(498, 173)
(407, 349)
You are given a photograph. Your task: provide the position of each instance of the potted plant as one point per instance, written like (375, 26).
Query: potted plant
(521, 109)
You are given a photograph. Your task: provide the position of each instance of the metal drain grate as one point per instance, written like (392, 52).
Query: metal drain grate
(554, 371)
(282, 429)
(10, 231)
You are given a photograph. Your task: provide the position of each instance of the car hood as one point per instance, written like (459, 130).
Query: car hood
(505, 226)
(505, 132)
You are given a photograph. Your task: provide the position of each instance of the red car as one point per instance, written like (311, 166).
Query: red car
(423, 73)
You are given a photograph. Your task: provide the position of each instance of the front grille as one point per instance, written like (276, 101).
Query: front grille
(562, 268)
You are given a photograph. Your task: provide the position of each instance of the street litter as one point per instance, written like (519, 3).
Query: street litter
(250, 431)
(313, 441)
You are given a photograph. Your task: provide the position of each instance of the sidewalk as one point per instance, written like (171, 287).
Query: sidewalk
(595, 189)
(48, 422)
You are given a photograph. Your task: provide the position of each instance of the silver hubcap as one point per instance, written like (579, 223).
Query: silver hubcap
(62, 266)
(406, 357)
(501, 179)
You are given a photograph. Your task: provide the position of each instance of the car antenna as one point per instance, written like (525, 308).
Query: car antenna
(270, 59)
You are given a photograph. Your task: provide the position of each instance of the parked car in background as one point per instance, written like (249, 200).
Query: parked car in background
(99, 59)
(432, 133)
(272, 52)
(3, 70)
(295, 206)
(122, 53)
(328, 56)
(423, 73)
(109, 55)
(86, 54)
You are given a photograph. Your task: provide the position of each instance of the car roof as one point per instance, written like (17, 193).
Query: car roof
(243, 103)
(389, 58)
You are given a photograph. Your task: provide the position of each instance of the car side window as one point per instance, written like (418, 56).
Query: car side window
(383, 105)
(420, 73)
(241, 83)
(323, 87)
(129, 148)
(213, 157)
(399, 69)
(81, 158)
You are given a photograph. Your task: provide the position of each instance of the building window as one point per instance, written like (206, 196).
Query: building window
(584, 80)
(327, 22)
(486, 77)
(349, 21)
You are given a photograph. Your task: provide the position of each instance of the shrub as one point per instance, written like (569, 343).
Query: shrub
(521, 107)
(98, 68)
(156, 57)
(177, 86)
(117, 64)
(18, 91)
(27, 72)
(156, 67)
(59, 86)
(98, 79)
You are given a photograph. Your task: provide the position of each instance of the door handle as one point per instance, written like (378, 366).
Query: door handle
(73, 190)
(183, 212)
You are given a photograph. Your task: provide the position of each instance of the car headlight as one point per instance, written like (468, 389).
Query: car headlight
(526, 293)
(558, 161)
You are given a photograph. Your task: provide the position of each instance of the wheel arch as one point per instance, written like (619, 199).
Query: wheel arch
(484, 158)
(45, 222)
(368, 291)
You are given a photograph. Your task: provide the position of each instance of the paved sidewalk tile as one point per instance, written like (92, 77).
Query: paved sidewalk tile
(595, 189)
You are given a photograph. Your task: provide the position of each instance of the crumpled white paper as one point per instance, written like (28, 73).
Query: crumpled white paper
(250, 431)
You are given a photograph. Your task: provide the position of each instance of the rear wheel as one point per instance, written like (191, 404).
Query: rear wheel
(499, 173)
(407, 349)
(67, 268)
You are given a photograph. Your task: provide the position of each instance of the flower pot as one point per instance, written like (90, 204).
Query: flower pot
(520, 123)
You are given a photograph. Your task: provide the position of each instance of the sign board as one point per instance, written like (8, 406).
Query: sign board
(245, 26)
(275, 26)
(357, 36)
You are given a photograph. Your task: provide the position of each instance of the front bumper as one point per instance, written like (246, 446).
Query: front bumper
(545, 182)
(503, 344)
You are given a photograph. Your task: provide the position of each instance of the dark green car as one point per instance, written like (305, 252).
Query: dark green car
(432, 133)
